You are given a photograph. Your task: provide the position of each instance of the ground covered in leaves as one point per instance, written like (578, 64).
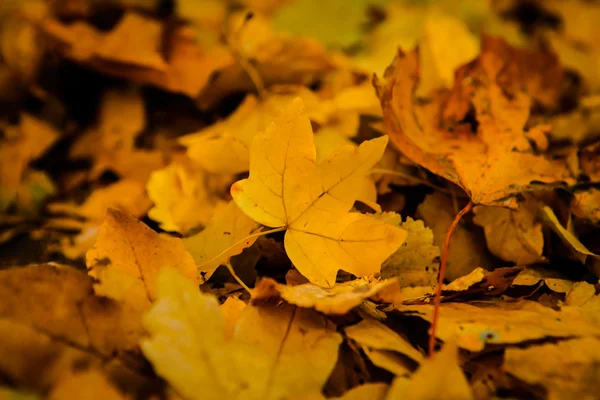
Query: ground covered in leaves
(255, 199)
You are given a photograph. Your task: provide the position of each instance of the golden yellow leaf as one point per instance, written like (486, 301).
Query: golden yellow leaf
(224, 147)
(127, 257)
(447, 44)
(291, 351)
(572, 372)
(88, 385)
(231, 310)
(513, 235)
(490, 164)
(181, 197)
(287, 189)
(468, 250)
(384, 347)
(214, 246)
(413, 264)
(439, 377)
(336, 300)
(473, 325)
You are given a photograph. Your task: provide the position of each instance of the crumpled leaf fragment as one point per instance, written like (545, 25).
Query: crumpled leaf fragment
(336, 300)
(287, 189)
(291, 351)
(572, 374)
(413, 264)
(384, 347)
(474, 324)
(181, 196)
(491, 164)
(228, 226)
(126, 260)
(512, 235)
(438, 377)
(532, 275)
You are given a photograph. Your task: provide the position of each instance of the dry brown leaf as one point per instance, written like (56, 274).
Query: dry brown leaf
(490, 165)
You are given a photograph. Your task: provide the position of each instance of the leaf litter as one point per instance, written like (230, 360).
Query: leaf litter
(290, 199)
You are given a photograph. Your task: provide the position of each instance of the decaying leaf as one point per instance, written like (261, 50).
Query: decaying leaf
(287, 189)
(587, 205)
(291, 351)
(490, 165)
(533, 275)
(90, 384)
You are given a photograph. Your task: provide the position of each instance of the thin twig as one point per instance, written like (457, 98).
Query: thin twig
(438, 289)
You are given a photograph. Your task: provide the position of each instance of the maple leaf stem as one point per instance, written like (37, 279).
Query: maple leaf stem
(409, 177)
(237, 278)
(438, 289)
(237, 244)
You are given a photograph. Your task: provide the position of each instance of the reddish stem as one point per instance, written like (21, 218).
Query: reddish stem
(438, 289)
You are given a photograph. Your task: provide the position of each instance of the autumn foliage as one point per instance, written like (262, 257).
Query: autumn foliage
(299, 199)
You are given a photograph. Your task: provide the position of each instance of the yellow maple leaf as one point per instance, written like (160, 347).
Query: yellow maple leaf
(275, 352)
(215, 245)
(288, 190)
(128, 256)
(181, 196)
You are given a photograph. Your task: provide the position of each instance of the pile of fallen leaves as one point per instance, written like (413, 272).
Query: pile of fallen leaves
(300, 199)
